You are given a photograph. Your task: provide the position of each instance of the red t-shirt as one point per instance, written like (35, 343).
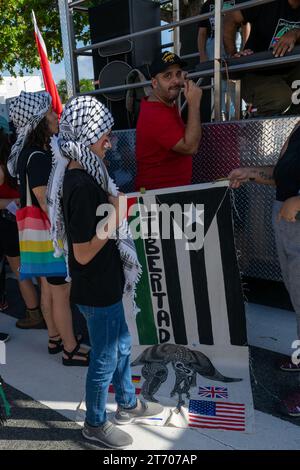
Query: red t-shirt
(159, 129)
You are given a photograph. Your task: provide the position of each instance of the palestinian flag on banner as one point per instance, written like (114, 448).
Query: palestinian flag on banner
(188, 296)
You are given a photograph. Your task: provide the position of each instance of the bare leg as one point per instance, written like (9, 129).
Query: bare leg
(47, 308)
(62, 315)
(27, 288)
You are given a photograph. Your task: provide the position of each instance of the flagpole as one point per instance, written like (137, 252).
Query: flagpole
(49, 83)
(34, 27)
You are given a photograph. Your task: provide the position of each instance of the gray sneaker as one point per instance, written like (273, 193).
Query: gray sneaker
(108, 434)
(4, 337)
(142, 410)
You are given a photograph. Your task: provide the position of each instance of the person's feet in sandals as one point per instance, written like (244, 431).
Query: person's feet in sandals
(287, 365)
(4, 337)
(291, 404)
(79, 356)
(3, 305)
(55, 344)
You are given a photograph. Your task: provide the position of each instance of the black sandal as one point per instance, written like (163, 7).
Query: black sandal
(59, 344)
(76, 362)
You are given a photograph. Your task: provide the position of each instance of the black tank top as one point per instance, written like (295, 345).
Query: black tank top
(287, 170)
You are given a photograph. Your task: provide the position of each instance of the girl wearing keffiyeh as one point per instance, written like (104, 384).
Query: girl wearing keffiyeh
(102, 262)
(30, 160)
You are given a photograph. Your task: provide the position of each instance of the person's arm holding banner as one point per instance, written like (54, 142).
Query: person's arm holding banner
(260, 175)
(264, 175)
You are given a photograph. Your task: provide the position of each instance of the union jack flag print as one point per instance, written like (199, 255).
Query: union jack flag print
(213, 392)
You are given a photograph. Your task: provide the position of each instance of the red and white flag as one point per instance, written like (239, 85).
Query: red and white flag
(46, 70)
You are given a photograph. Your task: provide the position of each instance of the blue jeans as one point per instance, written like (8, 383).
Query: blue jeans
(109, 361)
(287, 236)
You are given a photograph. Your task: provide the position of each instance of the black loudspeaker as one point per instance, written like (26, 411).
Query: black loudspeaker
(112, 64)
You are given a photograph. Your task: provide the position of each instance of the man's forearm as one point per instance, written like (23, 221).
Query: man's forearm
(85, 252)
(193, 130)
(246, 30)
(262, 175)
(229, 35)
(202, 39)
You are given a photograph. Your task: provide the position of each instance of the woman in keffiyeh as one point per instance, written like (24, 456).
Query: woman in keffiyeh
(30, 159)
(102, 261)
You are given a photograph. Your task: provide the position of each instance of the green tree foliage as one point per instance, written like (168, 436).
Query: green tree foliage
(17, 43)
(86, 85)
(187, 8)
(62, 90)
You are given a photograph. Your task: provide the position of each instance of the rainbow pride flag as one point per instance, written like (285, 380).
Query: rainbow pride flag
(36, 248)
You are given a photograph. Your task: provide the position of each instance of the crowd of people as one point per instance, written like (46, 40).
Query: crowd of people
(66, 187)
(101, 268)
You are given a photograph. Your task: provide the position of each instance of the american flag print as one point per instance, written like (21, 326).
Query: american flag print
(216, 415)
(213, 392)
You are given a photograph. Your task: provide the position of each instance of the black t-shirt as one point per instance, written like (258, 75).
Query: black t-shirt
(209, 23)
(269, 22)
(99, 283)
(287, 169)
(38, 171)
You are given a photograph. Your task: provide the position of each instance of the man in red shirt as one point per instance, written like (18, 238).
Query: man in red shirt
(164, 145)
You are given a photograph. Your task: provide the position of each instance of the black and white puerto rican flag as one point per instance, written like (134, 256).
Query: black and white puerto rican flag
(190, 291)
(190, 331)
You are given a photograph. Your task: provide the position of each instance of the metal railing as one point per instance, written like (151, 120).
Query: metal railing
(66, 11)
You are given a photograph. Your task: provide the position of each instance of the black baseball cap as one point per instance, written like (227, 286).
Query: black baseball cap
(163, 60)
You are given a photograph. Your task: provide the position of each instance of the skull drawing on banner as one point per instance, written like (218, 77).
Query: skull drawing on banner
(186, 364)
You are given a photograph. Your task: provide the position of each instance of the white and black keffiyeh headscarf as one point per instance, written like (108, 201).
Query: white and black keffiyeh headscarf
(26, 112)
(83, 123)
